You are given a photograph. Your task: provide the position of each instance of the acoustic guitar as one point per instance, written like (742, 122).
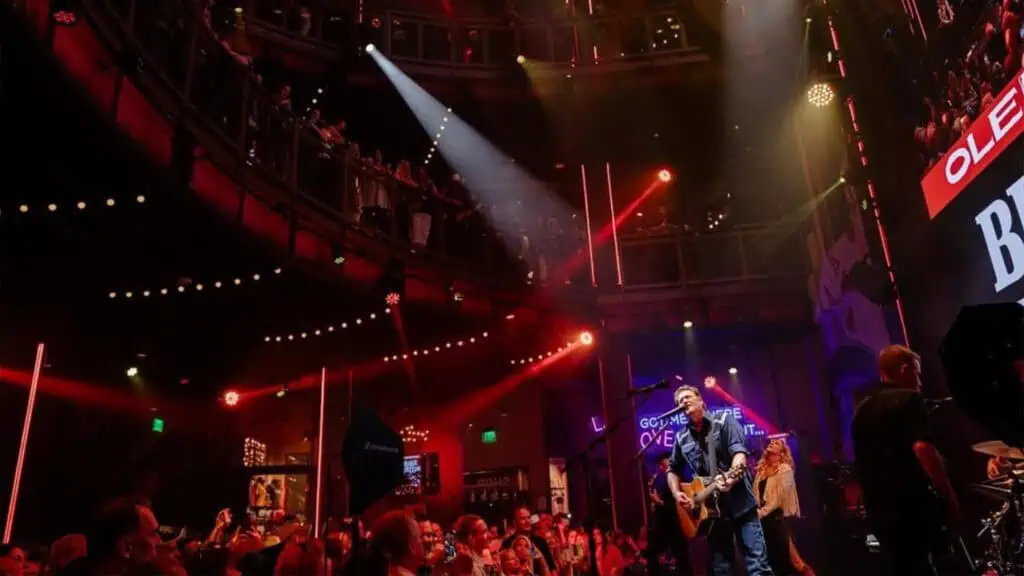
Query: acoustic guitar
(703, 496)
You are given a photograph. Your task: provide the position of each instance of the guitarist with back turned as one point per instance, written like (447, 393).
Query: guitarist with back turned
(714, 450)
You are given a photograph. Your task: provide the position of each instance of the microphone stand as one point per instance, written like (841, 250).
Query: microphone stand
(657, 434)
(589, 524)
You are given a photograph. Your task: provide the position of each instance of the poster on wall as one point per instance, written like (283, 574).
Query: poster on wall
(558, 478)
(422, 475)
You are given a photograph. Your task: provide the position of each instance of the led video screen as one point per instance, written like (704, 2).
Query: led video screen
(975, 199)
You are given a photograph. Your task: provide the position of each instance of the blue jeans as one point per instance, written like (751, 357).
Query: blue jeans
(746, 531)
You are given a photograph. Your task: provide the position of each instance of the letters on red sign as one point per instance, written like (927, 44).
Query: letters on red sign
(994, 130)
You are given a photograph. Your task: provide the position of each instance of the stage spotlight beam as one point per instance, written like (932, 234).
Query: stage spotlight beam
(483, 168)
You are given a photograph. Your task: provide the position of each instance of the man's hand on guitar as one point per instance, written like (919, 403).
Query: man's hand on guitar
(685, 501)
(724, 482)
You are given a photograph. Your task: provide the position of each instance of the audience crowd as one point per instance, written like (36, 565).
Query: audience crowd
(970, 77)
(125, 538)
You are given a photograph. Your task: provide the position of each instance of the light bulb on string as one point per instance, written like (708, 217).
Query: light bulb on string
(189, 285)
(329, 329)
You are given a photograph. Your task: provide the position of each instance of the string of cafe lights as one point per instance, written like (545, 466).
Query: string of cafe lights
(437, 138)
(316, 332)
(79, 206)
(451, 344)
(585, 339)
(473, 339)
(188, 285)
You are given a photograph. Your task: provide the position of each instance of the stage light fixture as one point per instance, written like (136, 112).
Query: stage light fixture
(665, 176)
(231, 398)
(132, 372)
(521, 59)
(586, 338)
(733, 371)
(710, 382)
(370, 48)
(820, 94)
(688, 324)
(393, 298)
(280, 393)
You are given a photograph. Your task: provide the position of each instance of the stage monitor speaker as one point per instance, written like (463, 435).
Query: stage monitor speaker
(981, 354)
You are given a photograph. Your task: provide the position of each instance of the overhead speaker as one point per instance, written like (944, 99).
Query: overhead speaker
(982, 355)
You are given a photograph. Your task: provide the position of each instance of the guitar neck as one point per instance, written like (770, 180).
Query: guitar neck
(712, 489)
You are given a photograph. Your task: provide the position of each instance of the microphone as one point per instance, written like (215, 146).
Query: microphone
(670, 413)
(659, 385)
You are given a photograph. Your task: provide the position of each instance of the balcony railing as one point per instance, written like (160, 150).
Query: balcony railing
(491, 43)
(740, 255)
(326, 182)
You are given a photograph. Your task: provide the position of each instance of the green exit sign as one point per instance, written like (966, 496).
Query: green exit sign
(158, 424)
(489, 436)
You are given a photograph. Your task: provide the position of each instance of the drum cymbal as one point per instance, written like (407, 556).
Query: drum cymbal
(998, 449)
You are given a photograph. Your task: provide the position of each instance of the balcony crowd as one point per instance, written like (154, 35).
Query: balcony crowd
(393, 199)
(971, 76)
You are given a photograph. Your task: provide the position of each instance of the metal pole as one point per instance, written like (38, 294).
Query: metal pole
(639, 461)
(607, 447)
(348, 426)
(25, 428)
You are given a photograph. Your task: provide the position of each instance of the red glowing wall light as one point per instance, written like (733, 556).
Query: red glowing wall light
(23, 447)
(586, 214)
(615, 225)
(320, 454)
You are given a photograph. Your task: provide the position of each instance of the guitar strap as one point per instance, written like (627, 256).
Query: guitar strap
(713, 449)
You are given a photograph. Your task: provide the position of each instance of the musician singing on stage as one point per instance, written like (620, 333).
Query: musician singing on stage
(709, 448)
(907, 493)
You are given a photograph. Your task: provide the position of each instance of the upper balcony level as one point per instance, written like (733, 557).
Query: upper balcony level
(252, 155)
(429, 44)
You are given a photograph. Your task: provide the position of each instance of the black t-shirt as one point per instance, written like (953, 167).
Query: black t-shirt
(884, 430)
